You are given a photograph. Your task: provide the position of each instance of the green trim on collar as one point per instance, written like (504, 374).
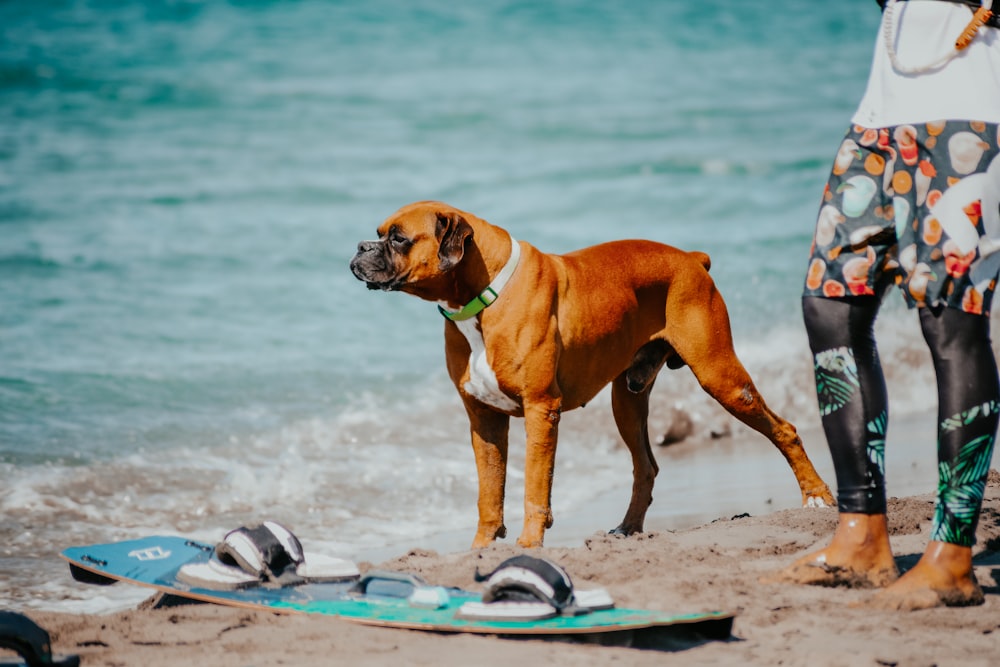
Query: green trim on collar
(472, 308)
(492, 291)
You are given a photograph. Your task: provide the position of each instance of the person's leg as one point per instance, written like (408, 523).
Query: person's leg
(968, 401)
(853, 259)
(852, 397)
(854, 409)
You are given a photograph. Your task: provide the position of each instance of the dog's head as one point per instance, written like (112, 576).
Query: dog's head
(416, 246)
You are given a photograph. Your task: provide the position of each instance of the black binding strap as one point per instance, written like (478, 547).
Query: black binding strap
(267, 550)
(528, 579)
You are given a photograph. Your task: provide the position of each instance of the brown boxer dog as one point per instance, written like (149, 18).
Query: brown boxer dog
(532, 335)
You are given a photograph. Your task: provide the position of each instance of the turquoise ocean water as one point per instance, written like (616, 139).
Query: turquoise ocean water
(182, 184)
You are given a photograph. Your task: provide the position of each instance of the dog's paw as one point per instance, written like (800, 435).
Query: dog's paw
(818, 498)
(624, 531)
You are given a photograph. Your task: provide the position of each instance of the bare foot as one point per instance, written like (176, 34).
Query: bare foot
(859, 556)
(942, 577)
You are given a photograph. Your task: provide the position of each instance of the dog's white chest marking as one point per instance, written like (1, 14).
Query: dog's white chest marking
(482, 380)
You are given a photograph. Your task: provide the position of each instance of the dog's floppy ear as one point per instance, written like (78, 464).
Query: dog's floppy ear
(451, 232)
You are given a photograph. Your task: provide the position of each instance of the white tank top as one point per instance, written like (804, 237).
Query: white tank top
(966, 88)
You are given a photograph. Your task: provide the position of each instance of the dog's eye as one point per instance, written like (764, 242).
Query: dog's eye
(399, 241)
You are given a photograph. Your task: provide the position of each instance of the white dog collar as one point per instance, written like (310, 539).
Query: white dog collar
(492, 291)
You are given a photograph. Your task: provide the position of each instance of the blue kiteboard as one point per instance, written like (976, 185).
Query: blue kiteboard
(383, 599)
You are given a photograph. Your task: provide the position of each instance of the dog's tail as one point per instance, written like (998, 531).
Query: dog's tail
(705, 260)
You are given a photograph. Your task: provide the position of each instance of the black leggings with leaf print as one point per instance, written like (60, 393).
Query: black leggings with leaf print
(853, 404)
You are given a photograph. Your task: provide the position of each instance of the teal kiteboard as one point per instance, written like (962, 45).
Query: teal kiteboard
(382, 599)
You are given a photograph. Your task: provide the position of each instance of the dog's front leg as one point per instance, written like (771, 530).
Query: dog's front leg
(489, 443)
(541, 424)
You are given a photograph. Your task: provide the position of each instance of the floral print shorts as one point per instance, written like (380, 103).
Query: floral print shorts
(913, 205)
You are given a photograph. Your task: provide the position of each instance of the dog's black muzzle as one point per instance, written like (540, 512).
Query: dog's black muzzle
(371, 266)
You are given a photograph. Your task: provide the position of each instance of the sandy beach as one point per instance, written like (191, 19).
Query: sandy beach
(715, 566)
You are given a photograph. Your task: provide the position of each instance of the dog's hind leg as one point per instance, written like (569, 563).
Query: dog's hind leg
(750, 409)
(631, 410)
(729, 383)
(698, 329)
